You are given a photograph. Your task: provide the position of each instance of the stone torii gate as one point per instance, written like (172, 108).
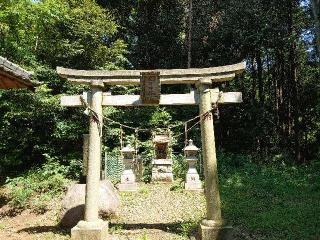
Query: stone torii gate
(94, 228)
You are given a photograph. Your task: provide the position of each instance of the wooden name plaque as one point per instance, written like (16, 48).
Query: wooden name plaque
(150, 87)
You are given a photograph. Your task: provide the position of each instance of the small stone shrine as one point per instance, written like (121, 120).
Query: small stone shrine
(162, 164)
(193, 182)
(128, 178)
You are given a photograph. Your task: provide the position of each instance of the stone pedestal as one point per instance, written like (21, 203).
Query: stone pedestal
(193, 182)
(128, 179)
(162, 170)
(97, 230)
(215, 232)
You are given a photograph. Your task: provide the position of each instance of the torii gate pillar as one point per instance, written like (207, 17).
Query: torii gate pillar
(92, 227)
(212, 227)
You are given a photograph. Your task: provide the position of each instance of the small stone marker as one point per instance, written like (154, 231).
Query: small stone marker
(193, 182)
(150, 87)
(128, 178)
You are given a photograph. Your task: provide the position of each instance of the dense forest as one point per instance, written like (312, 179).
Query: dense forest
(278, 121)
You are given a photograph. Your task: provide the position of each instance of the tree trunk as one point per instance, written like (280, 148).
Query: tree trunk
(190, 35)
(316, 15)
(260, 80)
(293, 118)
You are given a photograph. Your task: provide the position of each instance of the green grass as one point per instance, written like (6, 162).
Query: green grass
(276, 202)
(273, 202)
(37, 187)
(2, 225)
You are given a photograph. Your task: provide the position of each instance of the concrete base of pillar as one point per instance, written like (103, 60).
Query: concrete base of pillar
(215, 232)
(128, 187)
(90, 231)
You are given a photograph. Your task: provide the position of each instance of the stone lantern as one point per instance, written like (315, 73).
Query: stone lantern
(192, 179)
(128, 179)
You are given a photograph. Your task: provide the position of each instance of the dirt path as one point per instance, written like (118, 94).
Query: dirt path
(152, 213)
(30, 226)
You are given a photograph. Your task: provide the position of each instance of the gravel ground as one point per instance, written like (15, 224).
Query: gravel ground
(154, 212)
(156, 204)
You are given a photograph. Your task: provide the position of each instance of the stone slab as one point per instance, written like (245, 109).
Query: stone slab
(128, 178)
(90, 231)
(215, 232)
(193, 186)
(162, 161)
(128, 187)
(165, 177)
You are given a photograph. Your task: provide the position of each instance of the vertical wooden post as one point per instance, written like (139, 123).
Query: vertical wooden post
(209, 156)
(92, 227)
(85, 157)
(94, 161)
(212, 227)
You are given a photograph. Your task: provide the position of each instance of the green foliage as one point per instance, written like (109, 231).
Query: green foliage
(155, 34)
(69, 33)
(41, 35)
(274, 202)
(160, 118)
(113, 166)
(143, 237)
(177, 186)
(276, 38)
(37, 187)
(33, 124)
(189, 228)
(147, 174)
(179, 166)
(116, 228)
(147, 155)
(144, 190)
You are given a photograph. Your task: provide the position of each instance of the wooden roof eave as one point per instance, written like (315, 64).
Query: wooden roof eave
(13, 82)
(13, 76)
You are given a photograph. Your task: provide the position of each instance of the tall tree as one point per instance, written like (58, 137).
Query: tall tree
(316, 15)
(41, 35)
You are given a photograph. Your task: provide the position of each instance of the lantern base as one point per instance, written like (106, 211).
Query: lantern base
(128, 187)
(193, 182)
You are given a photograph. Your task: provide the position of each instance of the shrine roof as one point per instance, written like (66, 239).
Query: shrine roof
(13, 76)
(161, 139)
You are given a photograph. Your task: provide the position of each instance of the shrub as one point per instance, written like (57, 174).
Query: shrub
(179, 166)
(37, 187)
